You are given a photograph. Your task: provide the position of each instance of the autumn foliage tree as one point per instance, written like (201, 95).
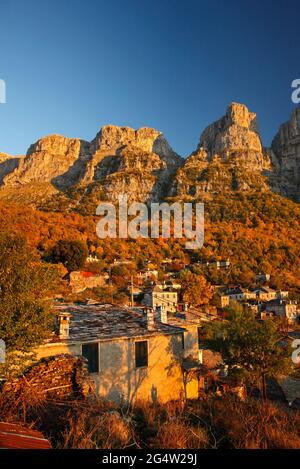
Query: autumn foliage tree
(195, 289)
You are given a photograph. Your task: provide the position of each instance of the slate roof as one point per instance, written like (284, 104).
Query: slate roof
(105, 321)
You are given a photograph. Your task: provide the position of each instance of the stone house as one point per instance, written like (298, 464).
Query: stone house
(238, 293)
(81, 280)
(132, 355)
(284, 308)
(146, 274)
(233, 293)
(222, 300)
(166, 297)
(161, 295)
(265, 293)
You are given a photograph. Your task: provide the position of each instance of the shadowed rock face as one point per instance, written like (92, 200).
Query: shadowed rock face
(8, 164)
(141, 164)
(285, 153)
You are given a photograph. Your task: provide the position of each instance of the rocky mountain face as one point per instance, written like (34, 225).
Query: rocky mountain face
(140, 163)
(285, 154)
(229, 158)
(47, 159)
(119, 160)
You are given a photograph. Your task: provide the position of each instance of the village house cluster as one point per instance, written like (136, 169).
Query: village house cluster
(263, 301)
(150, 291)
(152, 348)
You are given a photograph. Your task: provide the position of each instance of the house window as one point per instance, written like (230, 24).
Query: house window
(141, 354)
(182, 341)
(91, 353)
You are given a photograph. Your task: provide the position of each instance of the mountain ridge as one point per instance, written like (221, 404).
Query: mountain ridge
(229, 158)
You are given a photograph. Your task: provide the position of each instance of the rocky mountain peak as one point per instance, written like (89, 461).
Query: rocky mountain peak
(235, 132)
(113, 137)
(229, 158)
(238, 114)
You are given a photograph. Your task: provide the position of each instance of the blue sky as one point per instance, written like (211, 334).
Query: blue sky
(71, 66)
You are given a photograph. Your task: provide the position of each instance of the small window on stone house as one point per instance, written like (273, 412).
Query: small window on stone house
(91, 353)
(141, 354)
(182, 340)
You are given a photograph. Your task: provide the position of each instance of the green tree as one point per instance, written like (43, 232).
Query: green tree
(25, 284)
(251, 350)
(72, 254)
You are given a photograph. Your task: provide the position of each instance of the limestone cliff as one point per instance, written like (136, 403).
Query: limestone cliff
(285, 153)
(50, 159)
(139, 163)
(229, 157)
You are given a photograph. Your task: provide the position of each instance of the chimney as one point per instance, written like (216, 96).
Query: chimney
(63, 320)
(162, 314)
(150, 319)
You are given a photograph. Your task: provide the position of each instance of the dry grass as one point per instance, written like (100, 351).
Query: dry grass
(107, 431)
(180, 435)
(223, 422)
(250, 424)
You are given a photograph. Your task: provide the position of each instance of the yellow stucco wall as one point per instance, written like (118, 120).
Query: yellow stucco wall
(118, 378)
(191, 347)
(47, 350)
